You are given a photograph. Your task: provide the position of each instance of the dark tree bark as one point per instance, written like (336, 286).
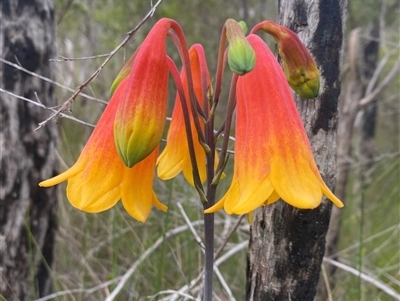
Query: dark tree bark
(28, 213)
(287, 244)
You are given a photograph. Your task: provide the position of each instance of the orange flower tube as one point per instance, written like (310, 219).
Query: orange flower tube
(175, 157)
(273, 157)
(142, 108)
(99, 178)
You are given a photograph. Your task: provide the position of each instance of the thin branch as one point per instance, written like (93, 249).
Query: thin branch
(223, 283)
(371, 96)
(143, 257)
(189, 224)
(394, 228)
(223, 258)
(80, 290)
(232, 251)
(198, 240)
(378, 284)
(172, 292)
(187, 287)
(72, 59)
(40, 105)
(49, 80)
(78, 91)
(377, 72)
(233, 230)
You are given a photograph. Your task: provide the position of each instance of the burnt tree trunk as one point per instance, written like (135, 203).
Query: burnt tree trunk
(287, 244)
(362, 56)
(28, 213)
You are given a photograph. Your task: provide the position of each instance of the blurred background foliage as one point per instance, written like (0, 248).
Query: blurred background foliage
(94, 249)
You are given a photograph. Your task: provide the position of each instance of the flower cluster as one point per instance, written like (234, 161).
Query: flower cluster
(272, 154)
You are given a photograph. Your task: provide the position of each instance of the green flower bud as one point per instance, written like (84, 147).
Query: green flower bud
(241, 56)
(300, 69)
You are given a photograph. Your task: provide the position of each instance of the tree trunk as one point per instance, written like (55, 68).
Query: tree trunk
(287, 244)
(363, 56)
(28, 213)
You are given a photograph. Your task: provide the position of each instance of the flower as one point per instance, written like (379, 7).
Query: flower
(175, 157)
(273, 157)
(142, 109)
(99, 178)
(300, 69)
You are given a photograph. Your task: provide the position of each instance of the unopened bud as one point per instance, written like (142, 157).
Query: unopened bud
(300, 69)
(241, 57)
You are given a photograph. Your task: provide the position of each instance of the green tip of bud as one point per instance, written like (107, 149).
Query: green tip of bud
(121, 76)
(123, 73)
(241, 57)
(307, 90)
(243, 25)
(131, 153)
(304, 81)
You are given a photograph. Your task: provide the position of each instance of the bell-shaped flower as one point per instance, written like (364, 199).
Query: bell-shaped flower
(273, 157)
(300, 69)
(99, 179)
(176, 157)
(142, 109)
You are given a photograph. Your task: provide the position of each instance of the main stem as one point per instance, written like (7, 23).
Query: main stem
(210, 198)
(209, 254)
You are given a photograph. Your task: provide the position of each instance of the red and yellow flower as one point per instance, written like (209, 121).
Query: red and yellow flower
(142, 110)
(176, 157)
(273, 157)
(118, 161)
(99, 178)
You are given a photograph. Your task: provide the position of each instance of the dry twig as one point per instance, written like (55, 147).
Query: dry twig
(80, 88)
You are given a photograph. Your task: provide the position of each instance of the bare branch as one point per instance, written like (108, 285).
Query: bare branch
(40, 105)
(388, 290)
(49, 80)
(80, 88)
(371, 96)
(232, 230)
(144, 256)
(72, 59)
(377, 72)
(80, 290)
(172, 292)
(198, 240)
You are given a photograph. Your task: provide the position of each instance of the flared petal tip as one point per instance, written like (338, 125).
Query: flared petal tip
(329, 194)
(337, 202)
(217, 206)
(48, 183)
(61, 177)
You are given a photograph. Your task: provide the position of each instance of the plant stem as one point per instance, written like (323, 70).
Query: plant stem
(209, 256)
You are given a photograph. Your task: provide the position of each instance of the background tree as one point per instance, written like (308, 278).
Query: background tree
(28, 214)
(286, 244)
(371, 67)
